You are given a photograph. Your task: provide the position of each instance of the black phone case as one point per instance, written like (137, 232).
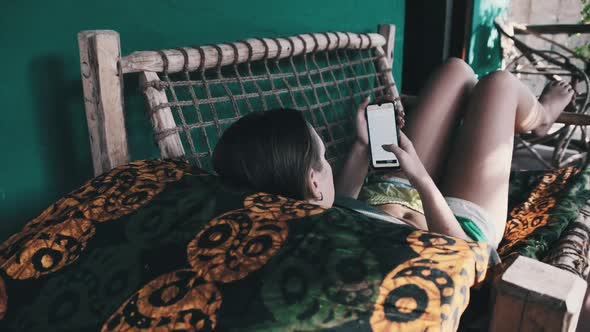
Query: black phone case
(369, 135)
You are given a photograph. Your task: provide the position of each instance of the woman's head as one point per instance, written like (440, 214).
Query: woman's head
(276, 152)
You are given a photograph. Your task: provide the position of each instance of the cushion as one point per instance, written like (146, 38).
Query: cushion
(162, 245)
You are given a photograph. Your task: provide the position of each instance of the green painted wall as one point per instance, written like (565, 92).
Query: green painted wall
(43, 134)
(484, 50)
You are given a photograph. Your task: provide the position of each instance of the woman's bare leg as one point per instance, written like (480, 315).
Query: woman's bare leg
(478, 167)
(430, 124)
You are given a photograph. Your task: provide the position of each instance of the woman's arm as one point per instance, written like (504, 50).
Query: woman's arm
(352, 175)
(355, 169)
(439, 216)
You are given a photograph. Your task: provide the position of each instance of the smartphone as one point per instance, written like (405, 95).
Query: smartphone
(382, 130)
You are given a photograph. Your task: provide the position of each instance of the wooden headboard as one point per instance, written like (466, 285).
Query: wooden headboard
(193, 93)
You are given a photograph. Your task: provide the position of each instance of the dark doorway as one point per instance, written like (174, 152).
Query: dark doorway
(434, 31)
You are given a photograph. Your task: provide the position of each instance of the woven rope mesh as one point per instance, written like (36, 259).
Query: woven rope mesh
(325, 85)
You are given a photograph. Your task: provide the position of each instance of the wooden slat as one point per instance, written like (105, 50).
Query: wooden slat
(388, 32)
(536, 317)
(553, 29)
(507, 311)
(539, 294)
(573, 119)
(162, 119)
(103, 98)
(384, 67)
(572, 251)
(384, 64)
(152, 60)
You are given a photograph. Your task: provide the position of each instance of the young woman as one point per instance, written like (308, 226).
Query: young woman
(451, 185)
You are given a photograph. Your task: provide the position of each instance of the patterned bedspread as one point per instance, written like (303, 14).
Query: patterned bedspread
(160, 245)
(542, 205)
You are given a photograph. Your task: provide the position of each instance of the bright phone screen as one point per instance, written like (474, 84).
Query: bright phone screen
(382, 130)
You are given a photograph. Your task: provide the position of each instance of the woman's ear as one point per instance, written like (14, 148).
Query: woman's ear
(313, 186)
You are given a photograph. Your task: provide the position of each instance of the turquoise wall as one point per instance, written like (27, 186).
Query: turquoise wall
(484, 50)
(43, 134)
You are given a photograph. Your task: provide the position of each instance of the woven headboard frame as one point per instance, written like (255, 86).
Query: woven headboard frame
(316, 73)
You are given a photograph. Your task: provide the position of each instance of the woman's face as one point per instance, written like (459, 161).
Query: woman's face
(322, 181)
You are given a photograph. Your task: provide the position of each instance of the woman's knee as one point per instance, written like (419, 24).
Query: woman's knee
(460, 68)
(498, 84)
(500, 79)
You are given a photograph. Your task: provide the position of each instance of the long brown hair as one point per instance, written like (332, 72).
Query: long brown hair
(270, 151)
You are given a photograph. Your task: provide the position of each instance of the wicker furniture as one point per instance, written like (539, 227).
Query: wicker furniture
(543, 58)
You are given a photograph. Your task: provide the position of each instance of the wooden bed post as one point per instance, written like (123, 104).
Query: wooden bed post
(100, 52)
(388, 32)
(535, 296)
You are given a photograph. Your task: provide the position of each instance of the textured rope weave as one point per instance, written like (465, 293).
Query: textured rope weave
(325, 85)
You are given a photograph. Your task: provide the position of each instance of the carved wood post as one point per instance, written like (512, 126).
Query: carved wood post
(100, 52)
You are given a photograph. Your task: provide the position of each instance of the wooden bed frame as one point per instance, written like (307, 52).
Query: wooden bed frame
(529, 294)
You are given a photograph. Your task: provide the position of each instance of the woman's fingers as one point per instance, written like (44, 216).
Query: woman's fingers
(399, 113)
(401, 122)
(388, 98)
(397, 151)
(404, 141)
(404, 145)
(362, 106)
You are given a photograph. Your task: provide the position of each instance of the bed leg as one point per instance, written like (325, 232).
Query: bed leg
(100, 52)
(534, 296)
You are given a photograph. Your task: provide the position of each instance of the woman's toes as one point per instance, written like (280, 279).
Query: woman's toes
(555, 97)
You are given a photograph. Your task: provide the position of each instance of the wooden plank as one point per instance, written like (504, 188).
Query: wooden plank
(88, 85)
(385, 61)
(572, 251)
(100, 52)
(573, 119)
(162, 119)
(152, 60)
(553, 29)
(543, 295)
(537, 318)
(388, 32)
(506, 312)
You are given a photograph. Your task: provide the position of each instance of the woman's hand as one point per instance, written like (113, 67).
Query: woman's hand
(362, 131)
(439, 216)
(408, 158)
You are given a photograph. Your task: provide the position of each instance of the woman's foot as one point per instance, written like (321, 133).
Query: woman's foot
(554, 99)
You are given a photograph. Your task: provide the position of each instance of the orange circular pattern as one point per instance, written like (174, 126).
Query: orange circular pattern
(423, 294)
(280, 208)
(31, 254)
(234, 244)
(57, 236)
(527, 217)
(176, 301)
(241, 241)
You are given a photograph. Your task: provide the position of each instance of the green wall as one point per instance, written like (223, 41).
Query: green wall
(43, 134)
(484, 50)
